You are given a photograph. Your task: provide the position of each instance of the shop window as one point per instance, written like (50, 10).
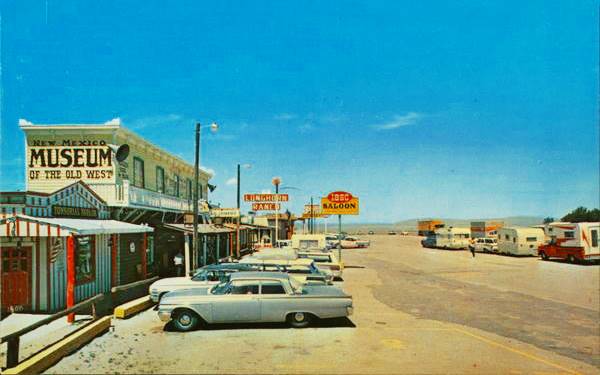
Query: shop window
(160, 179)
(138, 172)
(594, 233)
(531, 239)
(150, 251)
(569, 234)
(85, 259)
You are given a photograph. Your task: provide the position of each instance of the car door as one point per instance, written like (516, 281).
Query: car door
(274, 304)
(241, 304)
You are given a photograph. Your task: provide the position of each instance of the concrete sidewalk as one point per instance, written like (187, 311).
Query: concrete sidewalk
(39, 338)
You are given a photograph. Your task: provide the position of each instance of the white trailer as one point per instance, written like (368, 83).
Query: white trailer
(572, 241)
(520, 240)
(452, 238)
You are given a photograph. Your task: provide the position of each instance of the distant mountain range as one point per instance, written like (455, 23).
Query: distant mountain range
(411, 224)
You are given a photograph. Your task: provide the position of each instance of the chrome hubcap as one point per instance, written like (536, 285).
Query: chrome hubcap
(185, 320)
(299, 317)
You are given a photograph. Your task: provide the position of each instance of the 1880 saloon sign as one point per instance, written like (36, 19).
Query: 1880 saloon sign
(69, 159)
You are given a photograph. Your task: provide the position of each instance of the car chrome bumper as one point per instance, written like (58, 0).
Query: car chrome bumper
(164, 315)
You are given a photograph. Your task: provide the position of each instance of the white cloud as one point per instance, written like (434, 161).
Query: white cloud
(398, 121)
(231, 181)
(209, 170)
(306, 127)
(157, 120)
(285, 116)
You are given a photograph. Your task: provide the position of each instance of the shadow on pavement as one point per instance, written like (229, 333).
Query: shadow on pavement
(322, 323)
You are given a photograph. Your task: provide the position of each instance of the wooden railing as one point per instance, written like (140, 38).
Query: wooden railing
(12, 353)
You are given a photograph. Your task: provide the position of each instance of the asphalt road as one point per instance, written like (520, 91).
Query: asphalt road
(416, 311)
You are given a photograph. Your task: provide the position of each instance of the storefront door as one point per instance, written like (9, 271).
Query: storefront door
(16, 276)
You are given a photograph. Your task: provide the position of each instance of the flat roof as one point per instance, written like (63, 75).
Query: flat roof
(71, 226)
(202, 228)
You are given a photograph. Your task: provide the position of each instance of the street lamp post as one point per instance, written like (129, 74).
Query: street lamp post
(213, 128)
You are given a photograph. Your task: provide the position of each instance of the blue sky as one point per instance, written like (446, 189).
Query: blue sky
(448, 109)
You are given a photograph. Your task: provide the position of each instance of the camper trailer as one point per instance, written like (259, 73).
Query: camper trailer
(448, 238)
(309, 241)
(519, 241)
(575, 242)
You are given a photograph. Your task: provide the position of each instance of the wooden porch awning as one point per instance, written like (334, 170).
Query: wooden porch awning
(202, 228)
(29, 226)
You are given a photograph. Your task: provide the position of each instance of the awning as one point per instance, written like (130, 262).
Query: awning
(202, 228)
(30, 226)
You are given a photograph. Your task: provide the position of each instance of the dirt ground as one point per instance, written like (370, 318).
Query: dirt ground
(416, 311)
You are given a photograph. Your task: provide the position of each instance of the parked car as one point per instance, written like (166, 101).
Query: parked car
(207, 275)
(371, 232)
(392, 233)
(428, 242)
(254, 297)
(303, 270)
(325, 261)
(352, 242)
(487, 245)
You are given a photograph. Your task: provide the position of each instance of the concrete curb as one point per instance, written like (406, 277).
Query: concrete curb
(133, 307)
(54, 353)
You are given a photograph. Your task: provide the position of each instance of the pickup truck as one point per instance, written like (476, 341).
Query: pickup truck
(254, 297)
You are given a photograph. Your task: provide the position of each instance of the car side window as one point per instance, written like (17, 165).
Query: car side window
(272, 288)
(213, 276)
(244, 288)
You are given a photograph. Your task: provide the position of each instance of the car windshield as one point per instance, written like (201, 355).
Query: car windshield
(296, 285)
(199, 276)
(222, 288)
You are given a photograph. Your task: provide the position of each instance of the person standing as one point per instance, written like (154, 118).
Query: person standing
(472, 248)
(178, 261)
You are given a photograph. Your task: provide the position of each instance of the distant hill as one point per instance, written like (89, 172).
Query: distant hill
(411, 224)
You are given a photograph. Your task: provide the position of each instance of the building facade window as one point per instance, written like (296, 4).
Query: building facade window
(176, 185)
(150, 251)
(85, 259)
(160, 179)
(138, 172)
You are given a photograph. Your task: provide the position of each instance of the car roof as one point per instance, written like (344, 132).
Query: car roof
(259, 275)
(221, 266)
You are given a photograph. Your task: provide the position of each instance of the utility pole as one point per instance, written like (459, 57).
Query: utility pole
(237, 242)
(195, 200)
(312, 219)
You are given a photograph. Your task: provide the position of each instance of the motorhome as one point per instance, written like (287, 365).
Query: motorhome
(448, 238)
(309, 241)
(572, 241)
(519, 240)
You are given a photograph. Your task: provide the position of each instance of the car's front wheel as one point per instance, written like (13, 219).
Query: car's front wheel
(185, 320)
(299, 319)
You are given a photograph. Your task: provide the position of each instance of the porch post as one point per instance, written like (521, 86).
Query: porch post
(70, 276)
(144, 256)
(218, 246)
(204, 251)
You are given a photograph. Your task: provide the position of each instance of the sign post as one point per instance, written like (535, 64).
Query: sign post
(339, 203)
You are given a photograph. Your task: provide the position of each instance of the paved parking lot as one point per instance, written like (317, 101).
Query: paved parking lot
(416, 311)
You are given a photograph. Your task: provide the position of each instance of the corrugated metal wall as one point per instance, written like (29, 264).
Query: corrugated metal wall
(58, 276)
(102, 282)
